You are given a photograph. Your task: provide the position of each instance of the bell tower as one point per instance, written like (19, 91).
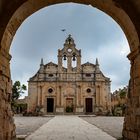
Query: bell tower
(69, 54)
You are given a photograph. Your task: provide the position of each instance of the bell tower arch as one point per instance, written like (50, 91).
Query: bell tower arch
(70, 54)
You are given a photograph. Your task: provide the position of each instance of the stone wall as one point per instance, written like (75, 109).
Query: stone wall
(116, 98)
(7, 127)
(131, 129)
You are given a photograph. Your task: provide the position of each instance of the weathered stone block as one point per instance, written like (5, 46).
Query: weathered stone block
(59, 109)
(79, 109)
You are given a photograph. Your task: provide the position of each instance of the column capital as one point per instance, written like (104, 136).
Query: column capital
(41, 85)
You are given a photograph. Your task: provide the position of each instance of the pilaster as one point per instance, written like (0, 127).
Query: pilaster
(69, 64)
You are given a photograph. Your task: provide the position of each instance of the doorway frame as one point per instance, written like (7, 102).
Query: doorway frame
(86, 104)
(53, 105)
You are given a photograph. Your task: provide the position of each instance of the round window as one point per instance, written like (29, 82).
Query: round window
(88, 90)
(50, 90)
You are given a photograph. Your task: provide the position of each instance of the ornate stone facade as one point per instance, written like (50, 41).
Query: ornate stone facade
(71, 88)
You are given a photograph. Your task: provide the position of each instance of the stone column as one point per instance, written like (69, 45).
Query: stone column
(40, 100)
(38, 95)
(59, 64)
(131, 127)
(79, 95)
(101, 95)
(59, 108)
(82, 100)
(58, 96)
(97, 95)
(78, 64)
(62, 97)
(69, 64)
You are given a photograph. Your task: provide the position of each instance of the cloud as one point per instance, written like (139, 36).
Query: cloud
(95, 33)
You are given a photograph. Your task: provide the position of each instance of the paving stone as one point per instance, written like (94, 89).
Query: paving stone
(112, 125)
(69, 128)
(27, 125)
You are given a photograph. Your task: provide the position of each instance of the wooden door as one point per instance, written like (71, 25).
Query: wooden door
(50, 105)
(89, 105)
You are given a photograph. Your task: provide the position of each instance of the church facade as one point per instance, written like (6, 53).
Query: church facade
(71, 88)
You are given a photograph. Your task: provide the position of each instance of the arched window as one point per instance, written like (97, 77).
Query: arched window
(74, 61)
(64, 61)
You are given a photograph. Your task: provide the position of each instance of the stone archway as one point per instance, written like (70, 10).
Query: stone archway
(125, 16)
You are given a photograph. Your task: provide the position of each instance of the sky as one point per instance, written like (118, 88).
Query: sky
(94, 32)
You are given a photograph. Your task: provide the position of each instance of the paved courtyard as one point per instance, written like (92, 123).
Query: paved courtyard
(27, 125)
(69, 128)
(111, 125)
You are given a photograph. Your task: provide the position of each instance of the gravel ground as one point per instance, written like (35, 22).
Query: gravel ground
(27, 125)
(111, 125)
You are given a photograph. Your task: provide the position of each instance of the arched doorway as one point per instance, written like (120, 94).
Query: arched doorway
(25, 9)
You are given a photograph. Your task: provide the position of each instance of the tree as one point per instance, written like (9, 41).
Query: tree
(17, 91)
(122, 94)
